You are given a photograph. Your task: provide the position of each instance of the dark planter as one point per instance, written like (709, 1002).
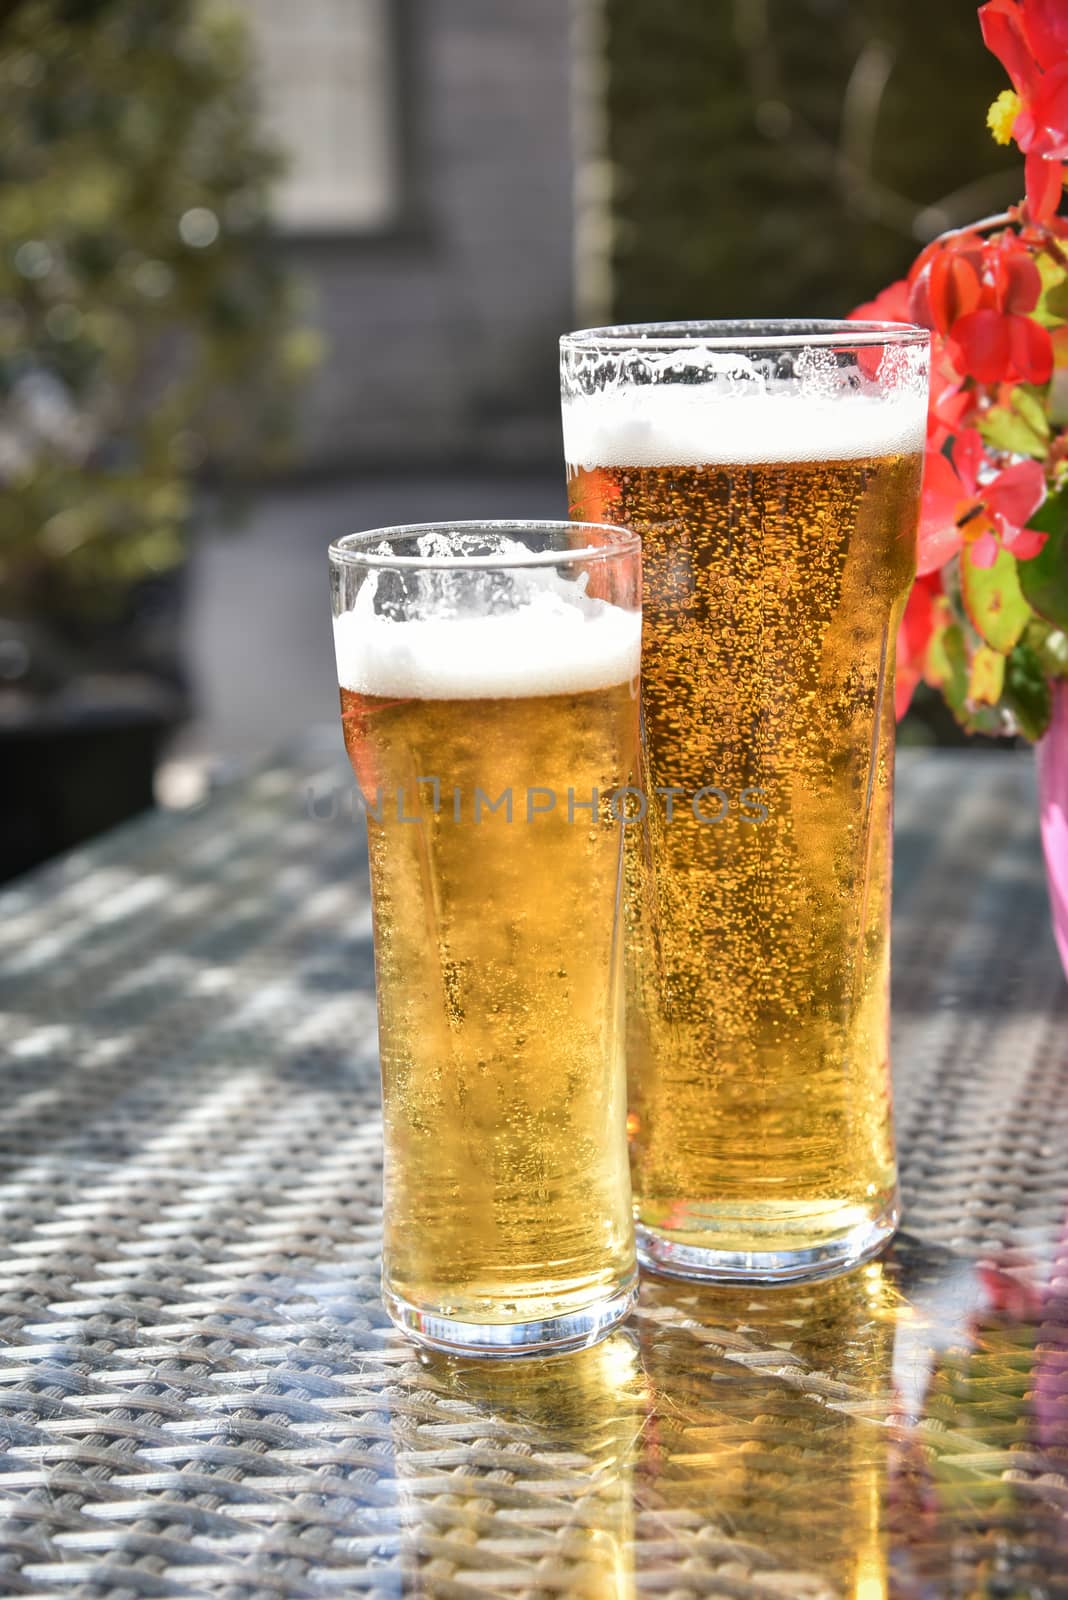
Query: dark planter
(82, 723)
(67, 778)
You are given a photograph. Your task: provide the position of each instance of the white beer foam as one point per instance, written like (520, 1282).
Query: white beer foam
(676, 425)
(550, 645)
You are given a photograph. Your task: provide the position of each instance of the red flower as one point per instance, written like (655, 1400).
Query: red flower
(957, 509)
(951, 402)
(976, 294)
(1030, 39)
(997, 347)
(1010, 1292)
(890, 305)
(913, 637)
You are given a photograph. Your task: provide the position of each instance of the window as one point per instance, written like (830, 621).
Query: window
(327, 81)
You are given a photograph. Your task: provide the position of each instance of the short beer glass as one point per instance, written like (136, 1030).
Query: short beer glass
(773, 473)
(489, 682)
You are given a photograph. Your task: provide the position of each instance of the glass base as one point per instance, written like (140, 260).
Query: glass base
(660, 1254)
(571, 1330)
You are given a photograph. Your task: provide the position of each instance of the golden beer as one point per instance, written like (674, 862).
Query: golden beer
(495, 857)
(759, 890)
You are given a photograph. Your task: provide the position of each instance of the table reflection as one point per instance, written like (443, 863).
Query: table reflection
(770, 1454)
(978, 1499)
(900, 1433)
(540, 1501)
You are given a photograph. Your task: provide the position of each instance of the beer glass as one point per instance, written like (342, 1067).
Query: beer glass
(488, 676)
(773, 473)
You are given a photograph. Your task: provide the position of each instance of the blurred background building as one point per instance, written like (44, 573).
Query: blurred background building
(273, 272)
(427, 206)
(466, 178)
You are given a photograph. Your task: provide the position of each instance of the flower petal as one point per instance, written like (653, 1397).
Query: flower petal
(1017, 280)
(1045, 181)
(1031, 350)
(1053, 812)
(968, 458)
(906, 678)
(983, 552)
(1024, 543)
(1025, 130)
(950, 400)
(938, 544)
(1002, 25)
(954, 286)
(979, 345)
(1050, 112)
(1045, 26)
(1016, 493)
(919, 620)
(943, 491)
(890, 305)
(936, 549)
(913, 637)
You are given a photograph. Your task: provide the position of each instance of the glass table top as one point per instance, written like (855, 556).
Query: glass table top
(200, 1393)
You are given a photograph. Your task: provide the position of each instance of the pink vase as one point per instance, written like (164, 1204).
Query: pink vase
(1052, 756)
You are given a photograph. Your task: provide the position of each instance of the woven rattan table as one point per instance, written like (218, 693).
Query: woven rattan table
(200, 1394)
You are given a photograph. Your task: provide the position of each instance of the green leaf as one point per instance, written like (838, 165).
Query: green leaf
(1026, 692)
(1021, 427)
(1057, 404)
(994, 600)
(1044, 579)
(1055, 653)
(983, 719)
(1050, 646)
(1052, 304)
(1029, 403)
(987, 676)
(946, 666)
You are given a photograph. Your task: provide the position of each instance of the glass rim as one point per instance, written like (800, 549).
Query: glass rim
(767, 333)
(351, 549)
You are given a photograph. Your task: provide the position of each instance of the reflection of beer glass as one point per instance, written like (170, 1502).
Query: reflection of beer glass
(488, 692)
(771, 1455)
(542, 1503)
(773, 473)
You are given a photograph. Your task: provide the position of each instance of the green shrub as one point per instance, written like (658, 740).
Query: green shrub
(145, 322)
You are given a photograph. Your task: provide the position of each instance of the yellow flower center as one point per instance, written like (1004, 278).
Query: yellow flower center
(1002, 115)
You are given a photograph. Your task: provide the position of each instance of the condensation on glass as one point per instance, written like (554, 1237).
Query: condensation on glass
(488, 677)
(773, 473)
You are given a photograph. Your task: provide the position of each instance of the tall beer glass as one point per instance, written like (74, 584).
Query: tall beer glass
(488, 677)
(773, 473)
